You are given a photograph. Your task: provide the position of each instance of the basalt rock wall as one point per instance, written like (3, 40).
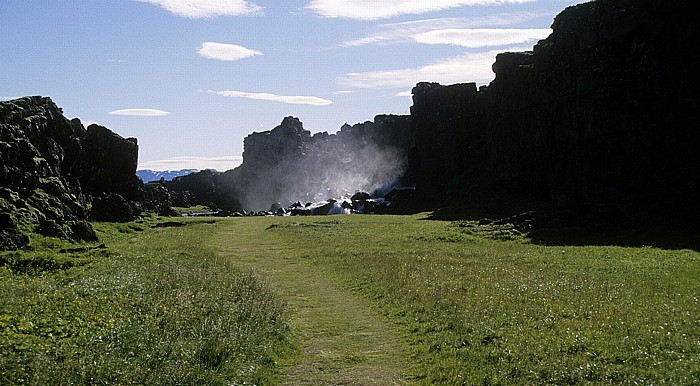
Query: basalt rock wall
(55, 174)
(599, 118)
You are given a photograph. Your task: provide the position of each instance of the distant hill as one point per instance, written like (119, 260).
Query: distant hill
(148, 175)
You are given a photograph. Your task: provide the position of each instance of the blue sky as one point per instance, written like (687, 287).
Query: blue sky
(191, 78)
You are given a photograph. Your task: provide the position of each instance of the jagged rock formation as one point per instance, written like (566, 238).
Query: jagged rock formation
(599, 118)
(287, 164)
(53, 168)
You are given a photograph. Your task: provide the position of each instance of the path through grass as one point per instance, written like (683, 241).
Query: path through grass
(344, 339)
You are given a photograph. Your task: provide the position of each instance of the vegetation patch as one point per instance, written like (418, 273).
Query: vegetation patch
(194, 209)
(489, 230)
(156, 307)
(39, 263)
(303, 224)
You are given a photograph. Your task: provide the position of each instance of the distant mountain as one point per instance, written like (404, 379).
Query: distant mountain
(148, 175)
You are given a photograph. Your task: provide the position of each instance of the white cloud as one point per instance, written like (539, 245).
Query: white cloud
(373, 10)
(487, 37)
(201, 163)
(291, 99)
(471, 67)
(198, 9)
(226, 52)
(405, 32)
(140, 112)
(405, 94)
(341, 92)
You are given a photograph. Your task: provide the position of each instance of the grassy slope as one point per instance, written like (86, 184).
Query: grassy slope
(485, 311)
(156, 307)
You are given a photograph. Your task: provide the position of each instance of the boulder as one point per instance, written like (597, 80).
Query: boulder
(360, 196)
(83, 231)
(10, 237)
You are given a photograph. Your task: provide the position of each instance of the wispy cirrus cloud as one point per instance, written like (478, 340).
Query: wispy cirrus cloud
(470, 67)
(479, 38)
(201, 163)
(200, 9)
(225, 52)
(291, 99)
(406, 32)
(140, 112)
(373, 10)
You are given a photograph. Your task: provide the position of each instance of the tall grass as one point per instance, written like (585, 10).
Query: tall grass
(485, 307)
(156, 307)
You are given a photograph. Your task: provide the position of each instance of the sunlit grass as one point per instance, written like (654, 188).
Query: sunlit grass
(486, 311)
(155, 307)
(478, 304)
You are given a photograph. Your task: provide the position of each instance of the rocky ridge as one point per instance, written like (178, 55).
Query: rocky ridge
(289, 164)
(596, 121)
(56, 175)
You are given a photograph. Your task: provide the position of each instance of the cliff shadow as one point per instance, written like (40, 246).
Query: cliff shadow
(541, 227)
(664, 238)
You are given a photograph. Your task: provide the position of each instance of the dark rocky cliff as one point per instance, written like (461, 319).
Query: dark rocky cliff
(55, 174)
(598, 122)
(600, 118)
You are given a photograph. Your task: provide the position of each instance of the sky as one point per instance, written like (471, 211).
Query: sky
(191, 78)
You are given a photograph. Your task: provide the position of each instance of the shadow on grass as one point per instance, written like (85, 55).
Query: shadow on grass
(645, 231)
(667, 238)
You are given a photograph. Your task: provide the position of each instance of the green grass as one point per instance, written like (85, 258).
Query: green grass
(194, 209)
(343, 338)
(369, 299)
(483, 305)
(157, 306)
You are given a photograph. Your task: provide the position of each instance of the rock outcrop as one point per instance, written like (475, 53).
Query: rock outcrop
(599, 118)
(287, 164)
(53, 168)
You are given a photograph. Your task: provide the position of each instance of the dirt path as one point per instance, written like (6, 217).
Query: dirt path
(344, 340)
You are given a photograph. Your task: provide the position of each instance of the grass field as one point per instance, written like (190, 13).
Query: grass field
(156, 307)
(485, 306)
(343, 300)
